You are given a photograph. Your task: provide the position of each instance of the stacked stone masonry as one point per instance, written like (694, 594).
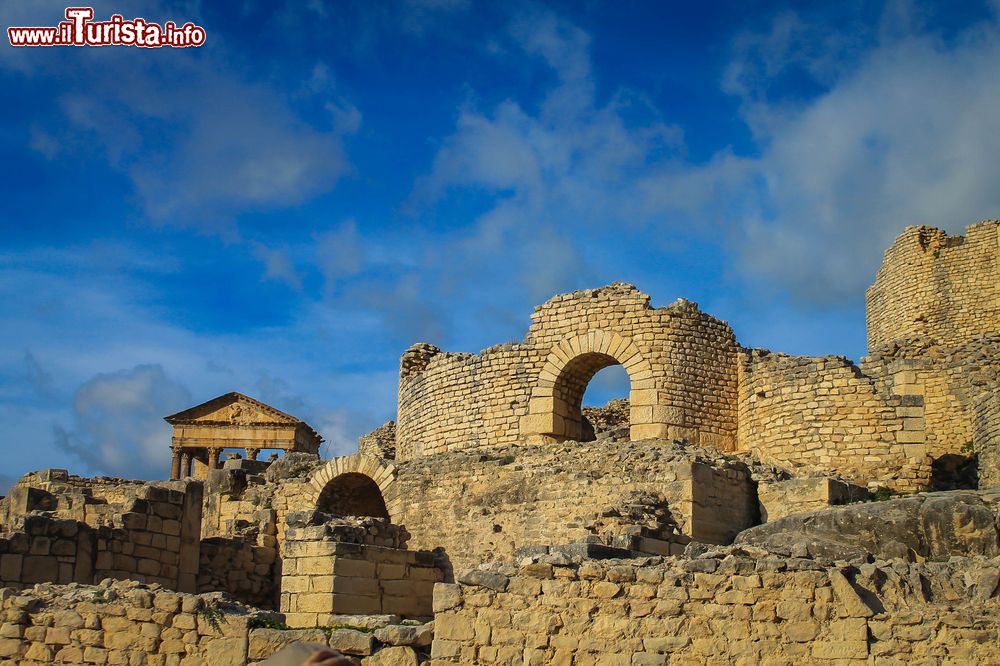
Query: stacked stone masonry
(825, 414)
(681, 364)
(938, 287)
(121, 623)
(324, 575)
(738, 608)
(153, 538)
(483, 505)
(925, 392)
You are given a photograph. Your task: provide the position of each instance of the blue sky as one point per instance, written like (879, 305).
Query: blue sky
(284, 210)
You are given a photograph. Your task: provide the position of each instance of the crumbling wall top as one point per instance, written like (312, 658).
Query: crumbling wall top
(935, 286)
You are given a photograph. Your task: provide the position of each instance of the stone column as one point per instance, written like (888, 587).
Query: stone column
(185, 464)
(213, 458)
(175, 465)
(252, 454)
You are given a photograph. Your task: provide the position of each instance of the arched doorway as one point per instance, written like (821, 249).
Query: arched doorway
(340, 478)
(352, 494)
(570, 388)
(554, 409)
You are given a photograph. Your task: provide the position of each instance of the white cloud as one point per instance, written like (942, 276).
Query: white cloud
(909, 136)
(568, 162)
(118, 422)
(904, 131)
(201, 137)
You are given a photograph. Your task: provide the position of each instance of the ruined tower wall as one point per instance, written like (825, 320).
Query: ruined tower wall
(460, 401)
(942, 288)
(681, 365)
(828, 415)
(956, 383)
(934, 323)
(688, 390)
(988, 439)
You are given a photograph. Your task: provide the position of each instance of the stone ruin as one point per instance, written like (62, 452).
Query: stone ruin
(739, 506)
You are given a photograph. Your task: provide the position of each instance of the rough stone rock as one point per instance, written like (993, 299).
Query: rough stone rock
(392, 656)
(265, 642)
(494, 581)
(958, 524)
(408, 635)
(931, 526)
(363, 621)
(354, 642)
(446, 596)
(850, 601)
(608, 422)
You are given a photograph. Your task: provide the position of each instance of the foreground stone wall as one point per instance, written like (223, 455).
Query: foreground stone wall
(39, 549)
(324, 575)
(477, 505)
(938, 287)
(243, 569)
(153, 538)
(727, 607)
(124, 622)
(121, 623)
(681, 363)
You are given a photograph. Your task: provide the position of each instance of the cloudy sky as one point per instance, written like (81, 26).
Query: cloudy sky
(284, 210)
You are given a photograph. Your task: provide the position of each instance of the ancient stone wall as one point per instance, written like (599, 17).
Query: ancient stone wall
(240, 567)
(955, 384)
(324, 574)
(156, 540)
(38, 549)
(734, 608)
(826, 415)
(483, 505)
(681, 365)
(92, 500)
(945, 289)
(380, 442)
(988, 439)
(153, 537)
(121, 623)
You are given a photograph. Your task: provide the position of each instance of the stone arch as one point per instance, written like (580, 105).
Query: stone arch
(554, 406)
(357, 471)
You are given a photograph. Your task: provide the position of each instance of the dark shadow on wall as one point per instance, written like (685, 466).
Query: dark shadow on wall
(353, 494)
(955, 472)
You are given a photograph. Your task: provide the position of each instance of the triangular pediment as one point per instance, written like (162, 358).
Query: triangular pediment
(233, 409)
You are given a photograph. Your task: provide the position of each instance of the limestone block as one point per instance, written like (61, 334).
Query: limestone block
(265, 642)
(392, 656)
(353, 642)
(446, 596)
(452, 627)
(355, 605)
(407, 635)
(39, 568)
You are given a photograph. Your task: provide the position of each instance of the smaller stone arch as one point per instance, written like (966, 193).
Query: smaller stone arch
(553, 410)
(352, 470)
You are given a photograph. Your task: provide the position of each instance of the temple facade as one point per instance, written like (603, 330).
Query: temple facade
(233, 421)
